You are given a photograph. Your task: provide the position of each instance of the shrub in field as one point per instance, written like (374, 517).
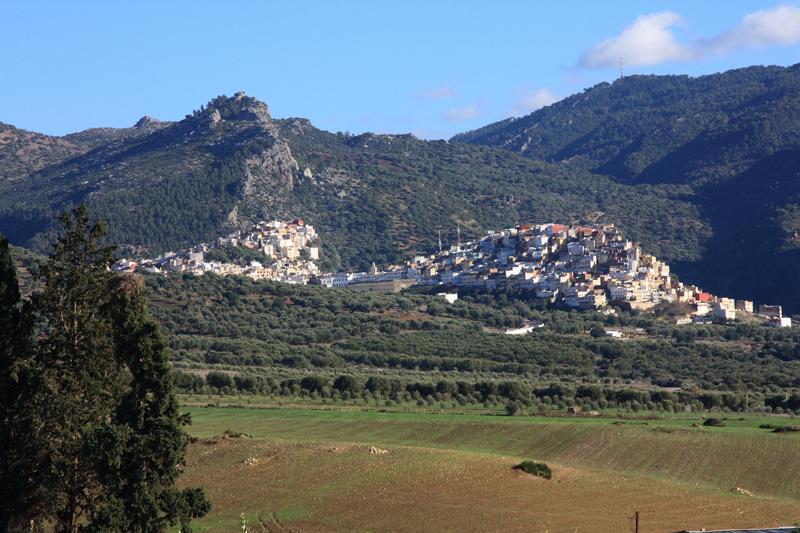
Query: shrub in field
(786, 429)
(513, 409)
(713, 422)
(535, 469)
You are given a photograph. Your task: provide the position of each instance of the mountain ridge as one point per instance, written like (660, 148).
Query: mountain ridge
(384, 197)
(642, 117)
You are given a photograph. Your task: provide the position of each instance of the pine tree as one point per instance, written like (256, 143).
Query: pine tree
(143, 448)
(19, 452)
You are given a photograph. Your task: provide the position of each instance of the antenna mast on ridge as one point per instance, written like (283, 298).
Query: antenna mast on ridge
(621, 72)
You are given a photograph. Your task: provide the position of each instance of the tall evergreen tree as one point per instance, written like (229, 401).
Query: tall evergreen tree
(143, 449)
(20, 454)
(91, 436)
(79, 370)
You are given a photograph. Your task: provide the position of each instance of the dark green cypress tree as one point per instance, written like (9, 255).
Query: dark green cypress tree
(143, 449)
(91, 436)
(80, 374)
(19, 450)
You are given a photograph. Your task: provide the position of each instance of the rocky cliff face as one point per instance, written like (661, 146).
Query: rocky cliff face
(268, 166)
(272, 166)
(236, 113)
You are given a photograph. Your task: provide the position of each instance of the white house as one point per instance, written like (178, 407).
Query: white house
(451, 297)
(783, 322)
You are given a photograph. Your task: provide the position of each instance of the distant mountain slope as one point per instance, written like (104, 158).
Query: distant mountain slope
(672, 129)
(373, 197)
(94, 137)
(755, 248)
(23, 152)
(732, 138)
(383, 198)
(386, 196)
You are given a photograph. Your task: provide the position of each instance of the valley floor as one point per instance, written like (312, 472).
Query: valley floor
(314, 471)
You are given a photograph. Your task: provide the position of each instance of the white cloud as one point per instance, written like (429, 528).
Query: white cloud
(648, 41)
(443, 92)
(457, 114)
(768, 27)
(535, 99)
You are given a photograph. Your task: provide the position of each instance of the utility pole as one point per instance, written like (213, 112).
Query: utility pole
(636, 519)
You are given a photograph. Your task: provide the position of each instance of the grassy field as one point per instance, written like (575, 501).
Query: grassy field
(313, 470)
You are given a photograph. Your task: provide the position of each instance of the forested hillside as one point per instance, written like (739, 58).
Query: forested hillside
(662, 129)
(731, 138)
(373, 197)
(386, 197)
(703, 171)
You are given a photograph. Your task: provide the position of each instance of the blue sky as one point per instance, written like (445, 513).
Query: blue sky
(432, 68)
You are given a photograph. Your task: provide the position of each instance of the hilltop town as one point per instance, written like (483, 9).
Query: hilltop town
(587, 267)
(582, 267)
(292, 246)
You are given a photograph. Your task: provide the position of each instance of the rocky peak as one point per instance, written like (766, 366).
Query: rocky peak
(146, 122)
(237, 108)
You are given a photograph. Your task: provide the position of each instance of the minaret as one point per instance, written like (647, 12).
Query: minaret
(458, 235)
(440, 241)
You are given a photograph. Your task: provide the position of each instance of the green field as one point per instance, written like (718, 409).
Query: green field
(664, 466)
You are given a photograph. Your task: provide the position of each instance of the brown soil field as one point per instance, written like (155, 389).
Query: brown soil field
(289, 486)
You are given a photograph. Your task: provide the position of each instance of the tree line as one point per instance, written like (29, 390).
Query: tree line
(392, 391)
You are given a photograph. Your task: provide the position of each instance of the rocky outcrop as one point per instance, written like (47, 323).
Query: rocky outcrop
(273, 166)
(148, 123)
(236, 112)
(269, 167)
